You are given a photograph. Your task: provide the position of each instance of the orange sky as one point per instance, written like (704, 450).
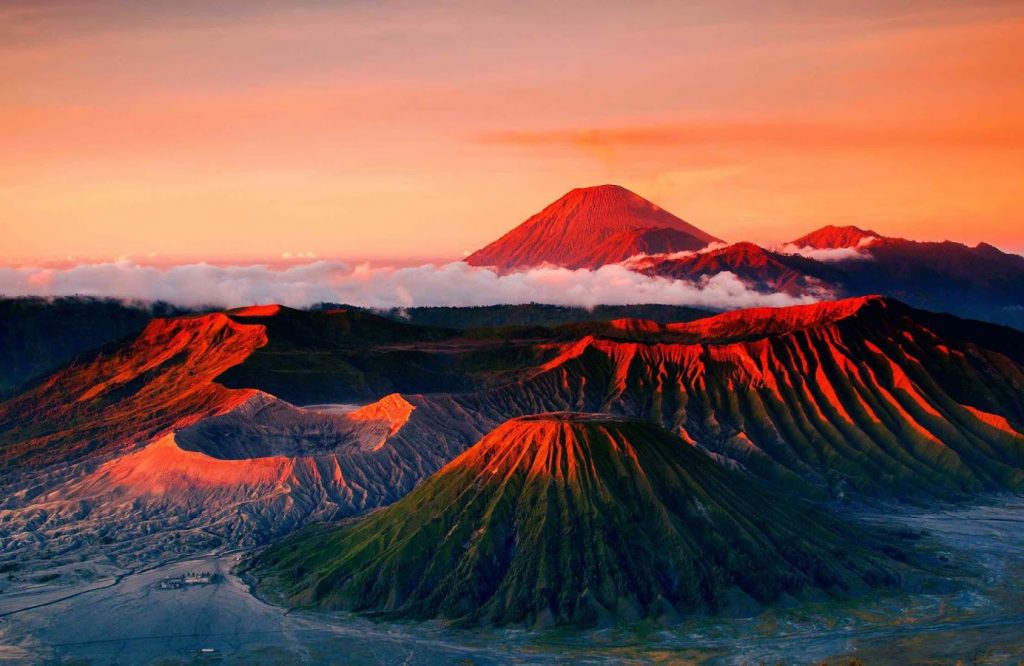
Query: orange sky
(408, 130)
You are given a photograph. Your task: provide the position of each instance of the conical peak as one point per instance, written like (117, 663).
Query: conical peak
(543, 425)
(598, 194)
(570, 232)
(836, 237)
(615, 208)
(742, 247)
(559, 445)
(563, 502)
(572, 424)
(608, 188)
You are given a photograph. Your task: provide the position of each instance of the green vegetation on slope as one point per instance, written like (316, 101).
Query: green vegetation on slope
(539, 314)
(354, 356)
(575, 519)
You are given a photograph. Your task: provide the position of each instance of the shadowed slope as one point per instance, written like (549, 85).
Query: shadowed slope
(587, 227)
(862, 394)
(573, 518)
(180, 370)
(159, 381)
(349, 355)
(757, 267)
(980, 281)
(40, 335)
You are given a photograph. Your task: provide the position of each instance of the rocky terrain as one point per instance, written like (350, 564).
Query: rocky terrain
(863, 396)
(217, 434)
(141, 450)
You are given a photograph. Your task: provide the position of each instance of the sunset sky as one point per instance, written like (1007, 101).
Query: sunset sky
(246, 130)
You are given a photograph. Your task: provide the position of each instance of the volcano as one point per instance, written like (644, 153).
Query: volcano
(831, 237)
(575, 518)
(588, 228)
(980, 282)
(192, 427)
(180, 370)
(862, 395)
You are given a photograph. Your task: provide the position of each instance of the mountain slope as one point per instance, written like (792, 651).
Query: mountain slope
(633, 242)
(237, 479)
(864, 395)
(981, 282)
(537, 314)
(839, 262)
(587, 227)
(39, 335)
(348, 355)
(831, 237)
(761, 269)
(569, 518)
(159, 381)
(180, 370)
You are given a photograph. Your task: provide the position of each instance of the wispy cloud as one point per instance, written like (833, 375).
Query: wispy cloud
(643, 258)
(829, 255)
(381, 287)
(790, 134)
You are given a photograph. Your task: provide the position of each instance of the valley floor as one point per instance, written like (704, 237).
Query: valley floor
(124, 617)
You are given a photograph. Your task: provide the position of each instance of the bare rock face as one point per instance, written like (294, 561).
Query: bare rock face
(253, 473)
(141, 449)
(588, 228)
(159, 381)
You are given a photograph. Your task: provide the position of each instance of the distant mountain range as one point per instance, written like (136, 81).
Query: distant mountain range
(593, 227)
(528, 465)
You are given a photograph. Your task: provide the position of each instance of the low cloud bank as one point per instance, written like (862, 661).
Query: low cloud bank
(671, 256)
(830, 255)
(454, 284)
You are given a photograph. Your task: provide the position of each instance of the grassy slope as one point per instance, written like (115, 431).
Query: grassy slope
(554, 521)
(352, 356)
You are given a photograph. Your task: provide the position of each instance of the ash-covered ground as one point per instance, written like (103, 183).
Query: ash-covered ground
(99, 612)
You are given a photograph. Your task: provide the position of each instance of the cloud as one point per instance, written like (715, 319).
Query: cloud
(770, 133)
(642, 259)
(831, 254)
(455, 284)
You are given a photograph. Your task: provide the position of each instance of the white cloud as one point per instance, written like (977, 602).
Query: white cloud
(306, 284)
(642, 259)
(829, 255)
